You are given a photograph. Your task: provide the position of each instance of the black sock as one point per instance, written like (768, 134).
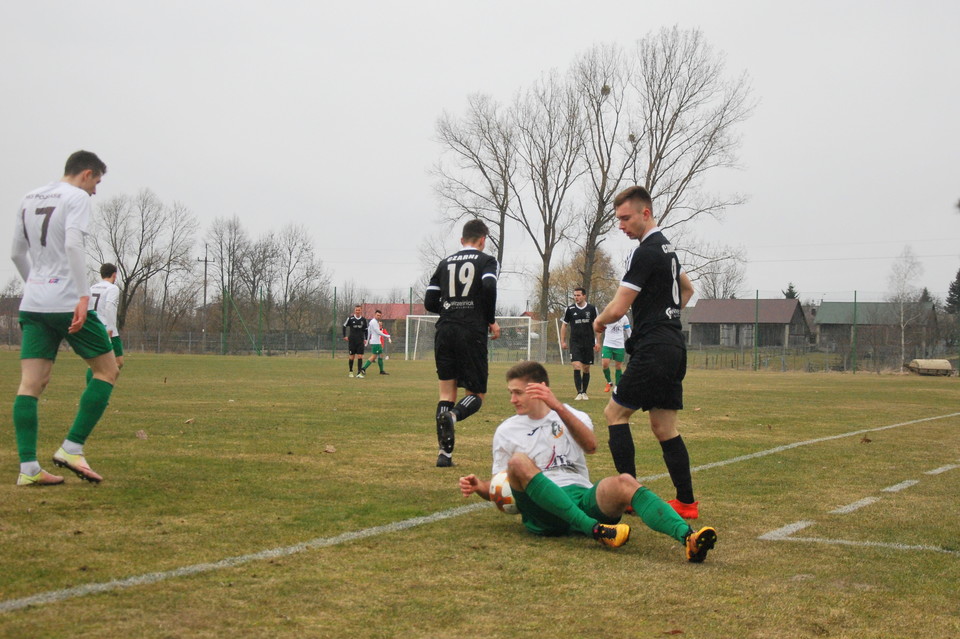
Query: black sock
(678, 465)
(442, 407)
(622, 448)
(467, 407)
(351, 365)
(577, 376)
(586, 381)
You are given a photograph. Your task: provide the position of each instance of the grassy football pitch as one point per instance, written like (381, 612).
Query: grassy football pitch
(276, 497)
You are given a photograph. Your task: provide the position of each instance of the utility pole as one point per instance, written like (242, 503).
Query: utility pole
(203, 339)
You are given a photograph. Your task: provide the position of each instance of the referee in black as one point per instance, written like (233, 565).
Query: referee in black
(355, 333)
(463, 291)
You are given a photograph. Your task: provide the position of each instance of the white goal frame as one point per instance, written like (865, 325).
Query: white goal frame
(414, 334)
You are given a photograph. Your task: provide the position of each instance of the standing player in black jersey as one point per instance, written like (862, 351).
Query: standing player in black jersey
(656, 288)
(355, 333)
(579, 317)
(463, 290)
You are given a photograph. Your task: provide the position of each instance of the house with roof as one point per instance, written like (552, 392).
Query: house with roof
(877, 323)
(776, 322)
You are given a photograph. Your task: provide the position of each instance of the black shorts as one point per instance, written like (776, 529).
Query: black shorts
(654, 378)
(461, 354)
(581, 352)
(355, 346)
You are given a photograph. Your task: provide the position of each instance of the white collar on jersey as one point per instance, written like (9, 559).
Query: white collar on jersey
(655, 229)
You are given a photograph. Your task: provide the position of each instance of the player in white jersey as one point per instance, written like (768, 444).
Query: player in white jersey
(614, 348)
(543, 449)
(375, 337)
(105, 301)
(48, 252)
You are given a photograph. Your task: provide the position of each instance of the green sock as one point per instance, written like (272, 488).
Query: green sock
(619, 375)
(658, 515)
(89, 374)
(551, 498)
(606, 374)
(92, 404)
(380, 363)
(25, 424)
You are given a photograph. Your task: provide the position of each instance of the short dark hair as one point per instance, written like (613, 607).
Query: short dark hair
(474, 230)
(530, 371)
(378, 311)
(107, 270)
(80, 161)
(581, 289)
(637, 193)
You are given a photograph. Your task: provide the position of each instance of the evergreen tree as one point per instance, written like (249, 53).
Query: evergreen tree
(791, 293)
(953, 296)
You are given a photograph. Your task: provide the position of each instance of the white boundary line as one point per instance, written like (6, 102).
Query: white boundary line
(857, 505)
(323, 542)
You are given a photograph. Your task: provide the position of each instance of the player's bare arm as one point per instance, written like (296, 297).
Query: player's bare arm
(686, 289)
(583, 435)
(471, 484)
(494, 330)
(616, 309)
(79, 315)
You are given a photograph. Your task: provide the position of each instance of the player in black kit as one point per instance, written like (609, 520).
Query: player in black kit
(579, 317)
(355, 333)
(655, 287)
(463, 290)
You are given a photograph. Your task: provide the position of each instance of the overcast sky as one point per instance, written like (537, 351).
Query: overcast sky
(324, 114)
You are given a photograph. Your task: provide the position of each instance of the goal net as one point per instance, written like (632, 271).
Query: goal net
(520, 338)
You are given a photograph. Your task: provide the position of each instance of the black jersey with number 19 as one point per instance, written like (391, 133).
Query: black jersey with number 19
(654, 271)
(463, 290)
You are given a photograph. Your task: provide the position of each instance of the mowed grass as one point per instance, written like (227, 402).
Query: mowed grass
(234, 462)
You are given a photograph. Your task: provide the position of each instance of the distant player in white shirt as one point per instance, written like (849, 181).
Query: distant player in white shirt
(375, 336)
(105, 302)
(48, 252)
(614, 343)
(543, 449)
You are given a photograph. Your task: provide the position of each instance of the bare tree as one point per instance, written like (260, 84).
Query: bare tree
(690, 113)
(569, 275)
(601, 80)
(301, 277)
(549, 143)
(137, 234)
(481, 160)
(719, 272)
(229, 243)
(178, 264)
(904, 294)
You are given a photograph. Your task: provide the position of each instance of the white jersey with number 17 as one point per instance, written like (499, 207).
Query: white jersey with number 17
(43, 219)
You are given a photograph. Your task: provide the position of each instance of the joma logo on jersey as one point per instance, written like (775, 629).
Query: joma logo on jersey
(53, 280)
(557, 429)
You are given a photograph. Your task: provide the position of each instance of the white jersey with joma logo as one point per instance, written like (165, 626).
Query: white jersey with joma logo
(105, 300)
(44, 216)
(548, 443)
(617, 333)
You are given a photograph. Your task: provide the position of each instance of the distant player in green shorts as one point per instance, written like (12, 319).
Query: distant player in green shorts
(543, 449)
(105, 300)
(375, 337)
(48, 252)
(614, 340)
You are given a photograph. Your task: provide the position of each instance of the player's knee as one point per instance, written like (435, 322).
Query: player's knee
(521, 468)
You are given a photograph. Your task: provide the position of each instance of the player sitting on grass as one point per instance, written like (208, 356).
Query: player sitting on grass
(543, 449)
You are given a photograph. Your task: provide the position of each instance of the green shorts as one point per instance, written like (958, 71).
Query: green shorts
(44, 332)
(616, 354)
(541, 522)
(117, 346)
(376, 349)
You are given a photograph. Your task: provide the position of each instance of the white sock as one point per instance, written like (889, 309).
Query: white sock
(30, 468)
(72, 447)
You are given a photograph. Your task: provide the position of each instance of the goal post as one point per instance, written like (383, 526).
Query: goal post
(520, 338)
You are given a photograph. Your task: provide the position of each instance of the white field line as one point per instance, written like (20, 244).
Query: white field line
(154, 577)
(901, 486)
(857, 505)
(322, 542)
(942, 469)
(869, 544)
(786, 531)
(808, 442)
